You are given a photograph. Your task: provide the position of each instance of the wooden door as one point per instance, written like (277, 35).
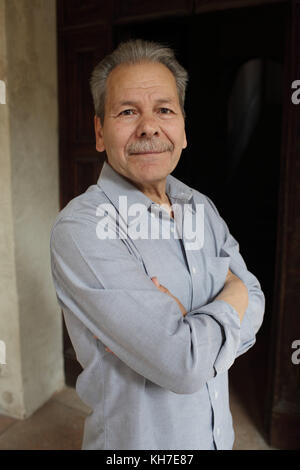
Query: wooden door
(283, 407)
(84, 38)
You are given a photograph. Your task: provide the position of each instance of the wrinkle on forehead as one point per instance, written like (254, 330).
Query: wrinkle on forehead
(135, 75)
(119, 81)
(143, 86)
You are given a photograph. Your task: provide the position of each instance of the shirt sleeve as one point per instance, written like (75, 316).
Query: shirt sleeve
(106, 287)
(253, 318)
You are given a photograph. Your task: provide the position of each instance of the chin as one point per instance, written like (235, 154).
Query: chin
(150, 173)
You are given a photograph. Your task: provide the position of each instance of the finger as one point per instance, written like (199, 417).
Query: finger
(230, 275)
(164, 289)
(106, 348)
(109, 350)
(155, 281)
(159, 286)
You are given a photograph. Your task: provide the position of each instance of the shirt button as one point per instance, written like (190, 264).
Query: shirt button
(152, 214)
(216, 395)
(172, 229)
(194, 269)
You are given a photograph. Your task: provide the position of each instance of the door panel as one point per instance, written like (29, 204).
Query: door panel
(76, 13)
(79, 49)
(283, 414)
(79, 52)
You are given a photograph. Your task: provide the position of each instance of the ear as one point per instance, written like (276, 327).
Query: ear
(184, 141)
(99, 134)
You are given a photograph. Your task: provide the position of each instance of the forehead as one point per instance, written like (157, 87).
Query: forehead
(132, 80)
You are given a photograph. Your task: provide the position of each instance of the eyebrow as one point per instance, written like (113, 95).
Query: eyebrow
(134, 103)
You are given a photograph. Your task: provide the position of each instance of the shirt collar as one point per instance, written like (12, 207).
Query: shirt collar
(115, 185)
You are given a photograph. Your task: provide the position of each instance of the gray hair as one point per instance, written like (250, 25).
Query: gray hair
(132, 52)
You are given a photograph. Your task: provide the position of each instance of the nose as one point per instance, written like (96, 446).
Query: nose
(148, 127)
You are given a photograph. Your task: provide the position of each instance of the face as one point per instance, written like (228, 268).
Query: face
(143, 132)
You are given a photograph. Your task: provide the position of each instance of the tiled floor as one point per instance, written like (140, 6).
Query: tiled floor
(58, 425)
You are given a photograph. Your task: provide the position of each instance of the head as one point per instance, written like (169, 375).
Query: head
(138, 94)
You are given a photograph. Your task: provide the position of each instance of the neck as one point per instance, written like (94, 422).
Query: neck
(156, 192)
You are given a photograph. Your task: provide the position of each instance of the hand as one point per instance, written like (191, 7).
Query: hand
(235, 293)
(106, 348)
(166, 291)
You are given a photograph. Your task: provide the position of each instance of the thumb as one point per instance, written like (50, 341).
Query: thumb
(155, 281)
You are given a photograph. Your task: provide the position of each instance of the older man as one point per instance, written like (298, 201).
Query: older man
(155, 319)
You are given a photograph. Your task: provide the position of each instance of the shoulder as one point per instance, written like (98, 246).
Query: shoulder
(211, 210)
(80, 214)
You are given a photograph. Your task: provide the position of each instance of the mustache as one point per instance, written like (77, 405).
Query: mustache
(149, 145)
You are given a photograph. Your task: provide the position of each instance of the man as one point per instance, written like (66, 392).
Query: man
(156, 320)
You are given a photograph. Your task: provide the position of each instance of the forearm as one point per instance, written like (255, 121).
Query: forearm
(235, 293)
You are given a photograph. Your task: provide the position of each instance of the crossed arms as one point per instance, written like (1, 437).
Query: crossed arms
(108, 291)
(234, 292)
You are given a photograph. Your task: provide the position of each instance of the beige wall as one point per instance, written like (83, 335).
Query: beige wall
(30, 319)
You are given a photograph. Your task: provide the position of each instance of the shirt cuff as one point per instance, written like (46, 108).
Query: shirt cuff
(227, 317)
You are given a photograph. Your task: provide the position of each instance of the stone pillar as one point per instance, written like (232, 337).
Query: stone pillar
(30, 319)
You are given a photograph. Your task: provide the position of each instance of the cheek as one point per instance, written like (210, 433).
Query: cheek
(116, 138)
(175, 133)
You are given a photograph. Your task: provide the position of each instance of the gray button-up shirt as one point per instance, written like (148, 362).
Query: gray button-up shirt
(165, 386)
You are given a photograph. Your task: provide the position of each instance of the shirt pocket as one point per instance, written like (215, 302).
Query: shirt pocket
(216, 268)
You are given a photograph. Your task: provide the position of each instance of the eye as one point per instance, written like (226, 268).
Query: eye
(126, 112)
(166, 110)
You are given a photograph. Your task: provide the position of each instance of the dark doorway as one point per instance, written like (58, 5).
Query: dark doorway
(234, 112)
